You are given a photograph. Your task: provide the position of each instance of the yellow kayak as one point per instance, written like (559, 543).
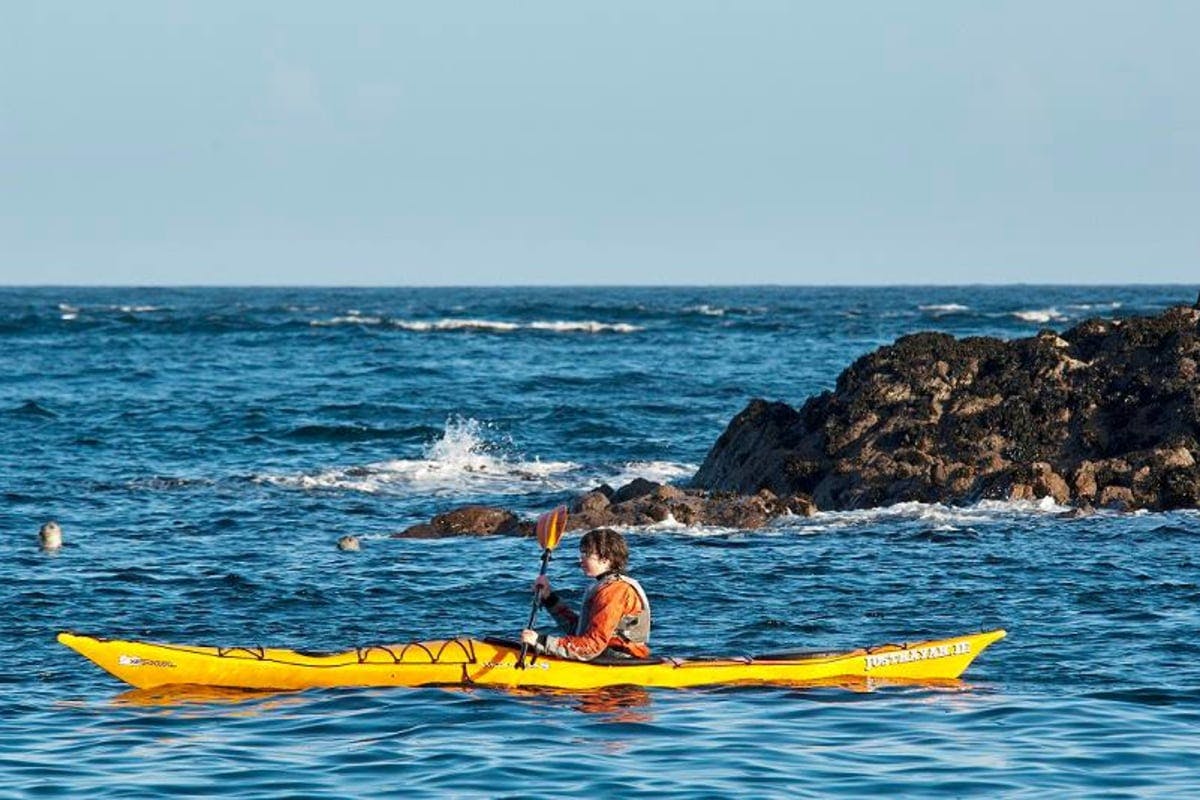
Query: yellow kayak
(492, 662)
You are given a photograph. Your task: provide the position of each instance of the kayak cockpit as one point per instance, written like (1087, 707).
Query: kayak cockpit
(600, 661)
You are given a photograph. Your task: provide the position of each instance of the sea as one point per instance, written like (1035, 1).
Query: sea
(203, 449)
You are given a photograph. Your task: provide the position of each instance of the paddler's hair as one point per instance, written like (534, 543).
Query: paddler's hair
(607, 544)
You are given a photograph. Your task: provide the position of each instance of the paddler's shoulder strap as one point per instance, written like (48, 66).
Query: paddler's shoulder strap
(637, 587)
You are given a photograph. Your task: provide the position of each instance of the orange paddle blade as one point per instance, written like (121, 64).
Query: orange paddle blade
(550, 527)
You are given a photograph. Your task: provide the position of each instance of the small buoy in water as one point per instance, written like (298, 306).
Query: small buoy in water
(50, 536)
(348, 543)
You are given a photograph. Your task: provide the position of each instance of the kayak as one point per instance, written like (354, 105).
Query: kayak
(494, 662)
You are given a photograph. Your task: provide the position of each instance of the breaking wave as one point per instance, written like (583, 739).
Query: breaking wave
(940, 517)
(942, 309)
(469, 457)
(473, 457)
(1040, 315)
(459, 324)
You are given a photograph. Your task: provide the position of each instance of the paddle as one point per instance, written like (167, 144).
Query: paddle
(550, 527)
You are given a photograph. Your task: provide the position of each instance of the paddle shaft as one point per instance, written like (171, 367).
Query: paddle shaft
(537, 601)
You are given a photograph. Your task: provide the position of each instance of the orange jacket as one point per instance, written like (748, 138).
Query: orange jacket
(615, 614)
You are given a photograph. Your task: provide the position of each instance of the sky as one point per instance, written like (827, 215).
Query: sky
(598, 143)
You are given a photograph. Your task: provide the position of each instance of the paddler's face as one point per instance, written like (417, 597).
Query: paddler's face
(592, 564)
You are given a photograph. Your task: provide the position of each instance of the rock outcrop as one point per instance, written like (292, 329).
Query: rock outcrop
(1107, 413)
(475, 520)
(638, 503)
(644, 502)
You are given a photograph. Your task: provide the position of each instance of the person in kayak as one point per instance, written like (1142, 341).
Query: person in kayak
(615, 615)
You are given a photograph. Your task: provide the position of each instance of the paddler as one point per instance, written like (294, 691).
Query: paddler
(615, 617)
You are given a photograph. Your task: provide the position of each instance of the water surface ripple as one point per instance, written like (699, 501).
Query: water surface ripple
(204, 449)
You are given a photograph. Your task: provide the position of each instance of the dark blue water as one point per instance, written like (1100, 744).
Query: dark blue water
(204, 449)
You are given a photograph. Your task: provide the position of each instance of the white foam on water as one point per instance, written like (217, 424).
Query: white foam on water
(1040, 315)
(668, 524)
(131, 309)
(657, 471)
(586, 326)
(1113, 306)
(944, 519)
(937, 309)
(941, 517)
(350, 318)
(467, 442)
(470, 457)
(498, 326)
(69, 311)
(672, 525)
(422, 326)
(706, 310)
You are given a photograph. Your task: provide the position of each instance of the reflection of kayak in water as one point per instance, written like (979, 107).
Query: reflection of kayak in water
(493, 662)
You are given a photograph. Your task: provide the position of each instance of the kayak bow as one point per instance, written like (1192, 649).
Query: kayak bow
(493, 662)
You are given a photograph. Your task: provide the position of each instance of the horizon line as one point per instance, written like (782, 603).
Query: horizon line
(765, 285)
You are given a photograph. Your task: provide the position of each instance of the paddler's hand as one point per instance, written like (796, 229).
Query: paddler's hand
(529, 637)
(541, 587)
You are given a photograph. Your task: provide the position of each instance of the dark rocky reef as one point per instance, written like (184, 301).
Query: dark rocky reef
(644, 502)
(475, 520)
(640, 502)
(1107, 413)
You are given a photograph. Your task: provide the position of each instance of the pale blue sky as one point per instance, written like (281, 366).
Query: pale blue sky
(599, 143)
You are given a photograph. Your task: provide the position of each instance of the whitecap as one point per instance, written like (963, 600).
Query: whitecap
(586, 326)
(352, 318)
(1113, 306)
(1040, 315)
(498, 326)
(456, 324)
(706, 310)
(939, 309)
